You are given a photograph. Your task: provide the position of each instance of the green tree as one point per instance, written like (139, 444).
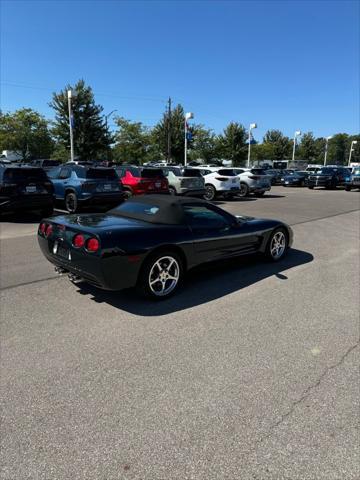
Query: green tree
(231, 144)
(355, 156)
(203, 144)
(133, 142)
(160, 134)
(92, 138)
(263, 151)
(338, 149)
(308, 148)
(282, 144)
(26, 132)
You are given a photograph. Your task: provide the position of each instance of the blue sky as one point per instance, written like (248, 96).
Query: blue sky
(283, 64)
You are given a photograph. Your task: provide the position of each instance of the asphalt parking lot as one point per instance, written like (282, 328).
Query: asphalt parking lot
(249, 373)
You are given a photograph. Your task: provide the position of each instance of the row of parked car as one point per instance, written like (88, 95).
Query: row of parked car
(77, 184)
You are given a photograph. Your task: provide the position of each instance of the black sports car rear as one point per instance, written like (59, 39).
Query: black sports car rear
(150, 241)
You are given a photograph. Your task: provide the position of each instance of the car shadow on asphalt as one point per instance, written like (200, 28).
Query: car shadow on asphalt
(202, 285)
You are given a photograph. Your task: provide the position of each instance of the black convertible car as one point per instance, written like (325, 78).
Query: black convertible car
(151, 241)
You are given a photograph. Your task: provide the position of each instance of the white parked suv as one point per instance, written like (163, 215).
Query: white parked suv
(223, 182)
(253, 180)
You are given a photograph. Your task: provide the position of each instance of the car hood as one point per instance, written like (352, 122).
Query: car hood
(97, 220)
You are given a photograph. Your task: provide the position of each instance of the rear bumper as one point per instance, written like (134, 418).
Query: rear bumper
(235, 189)
(26, 202)
(104, 272)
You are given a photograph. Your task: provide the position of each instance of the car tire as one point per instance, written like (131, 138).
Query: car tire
(302, 183)
(210, 192)
(311, 187)
(348, 188)
(259, 194)
(154, 281)
(277, 245)
(127, 194)
(244, 190)
(172, 191)
(71, 202)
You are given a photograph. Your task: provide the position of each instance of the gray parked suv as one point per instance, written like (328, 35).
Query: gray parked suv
(253, 180)
(186, 181)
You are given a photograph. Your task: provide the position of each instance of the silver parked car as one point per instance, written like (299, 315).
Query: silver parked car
(253, 180)
(186, 181)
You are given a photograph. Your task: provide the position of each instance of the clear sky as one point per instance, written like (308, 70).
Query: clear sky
(283, 64)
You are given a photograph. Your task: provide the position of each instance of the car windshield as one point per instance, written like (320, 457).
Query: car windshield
(175, 170)
(151, 173)
(325, 171)
(229, 172)
(96, 173)
(24, 174)
(356, 171)
(191, 172)
(50, 163)
(259, 171)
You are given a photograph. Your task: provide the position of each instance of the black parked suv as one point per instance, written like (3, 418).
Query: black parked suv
(328, 177)
(24, 187)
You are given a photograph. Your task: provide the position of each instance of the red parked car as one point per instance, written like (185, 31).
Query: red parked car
(138, 181)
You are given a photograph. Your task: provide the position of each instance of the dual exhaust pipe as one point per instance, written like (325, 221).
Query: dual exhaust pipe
(63, 271)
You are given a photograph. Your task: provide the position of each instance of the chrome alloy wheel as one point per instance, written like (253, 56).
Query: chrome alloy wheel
(164, 276)
(278, 245)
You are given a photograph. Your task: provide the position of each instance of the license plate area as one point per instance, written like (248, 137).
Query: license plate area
(107, 187)
(62, 251)
(30, 189)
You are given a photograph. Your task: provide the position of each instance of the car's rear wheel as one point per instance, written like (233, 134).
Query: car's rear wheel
(277, 245)
(172, 190)
(210, 192)
(244, 190)
(161, 275)
(127, 194)
(71, 202)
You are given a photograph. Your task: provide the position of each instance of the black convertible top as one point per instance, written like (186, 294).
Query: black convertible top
(163, 209)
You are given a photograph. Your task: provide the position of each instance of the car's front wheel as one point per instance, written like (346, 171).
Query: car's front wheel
(172, 190)
(210, 192)
(71, 202)
(161, 275)
(277, 245)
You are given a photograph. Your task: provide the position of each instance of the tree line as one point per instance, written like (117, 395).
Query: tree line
(33, 136)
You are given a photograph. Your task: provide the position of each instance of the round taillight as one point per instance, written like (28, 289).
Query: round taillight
(42, 228)
(92, 245)
(79, 240)
(48, 230)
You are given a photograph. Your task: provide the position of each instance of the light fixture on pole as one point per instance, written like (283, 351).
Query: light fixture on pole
(296, 134)
(107, 116)
(326, 147)
(252, 126)
(71, 121)
(354, 142)
(188, 116)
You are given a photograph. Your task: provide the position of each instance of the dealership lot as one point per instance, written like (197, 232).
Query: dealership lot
(250, 372)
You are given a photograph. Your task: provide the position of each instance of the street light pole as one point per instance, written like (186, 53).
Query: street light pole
(252, 125)
(188, 116)
(296, 134)
(354, 142)
(69, 93)
(107, 116)
(326, 148)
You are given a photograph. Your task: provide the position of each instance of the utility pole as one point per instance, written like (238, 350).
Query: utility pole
(169, 131)
(69, 94)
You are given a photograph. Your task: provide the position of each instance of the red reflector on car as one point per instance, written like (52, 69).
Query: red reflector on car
(42, 228)
(48, 230)
(92, 245)
(78, 240)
